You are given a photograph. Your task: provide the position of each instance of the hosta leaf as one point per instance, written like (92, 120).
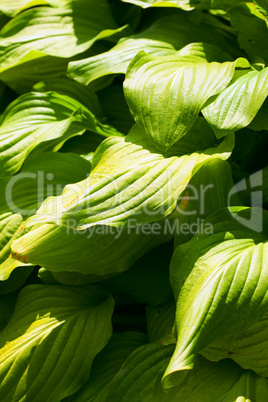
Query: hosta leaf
(36, 118)
(11, 227)
(14, 280)
(49, 344)
(130, 185)
(162, 38)
(150, 272)
(160, 321)
(262, 5)
(33, 67)
(185, 4)
(238, 104)
(219, 282)
(129, 179)
(40, 177)
(260, 121)
(17, 6)
(77, 27)
(252, 29)
(224, 381)
(107, 364)
(115, 108)
(210, 189)
(100, 251)
(136, 378)
(248, 348)
(174, 88)
(65, 86)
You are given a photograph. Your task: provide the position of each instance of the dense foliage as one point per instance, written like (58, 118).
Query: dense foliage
(133, 222)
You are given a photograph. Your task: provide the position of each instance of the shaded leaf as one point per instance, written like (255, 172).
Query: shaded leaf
(107, 364)
(210, 189)
(160, 321)
(219, 283)
(162, 38)
(249, 348)
(252, 29)
(36, 118)
(238, 104)
(77, 26)
(224, 381)
(40, 177)
(136, 378)
(174, 88)
(49, 344)
(17, 6)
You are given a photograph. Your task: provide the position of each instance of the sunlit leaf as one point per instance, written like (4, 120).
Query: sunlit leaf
(49, 344)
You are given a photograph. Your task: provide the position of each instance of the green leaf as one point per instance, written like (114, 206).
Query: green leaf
(238, 104)
(116, 204)
(32, 68)
(210, 189)
(40, 177)
(17, 6)
(101, 250)
(260, 121)
(11, 226)
(130, 180)
(252, 29)
(219, 283)
(115, 108)
(248, 348)
(136, 378)
(36, 118)
(163, 37)
(186, 5)
(160, 321)
(49, 344)
(13, 278)
(224, 381)
(77, 26)
(150, 272)
(107, 364)
(182, 89)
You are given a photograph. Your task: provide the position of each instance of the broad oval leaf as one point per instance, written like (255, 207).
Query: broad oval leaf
(36, 118)
(186, 5)
(136, 379)
(160, 321)
(210, 189)
(49, 344)
(41, 176)
(238, 104)
(151, 271)
(32, 68)
(130, 179)
(251, 26)
(77, 26)
(173, 88)
(11, 226)
(219, 283)
(248, 348)
(162, 38)
(107, 364)
(101, 250)
(110, 207)
(17, 6)
(224, 381)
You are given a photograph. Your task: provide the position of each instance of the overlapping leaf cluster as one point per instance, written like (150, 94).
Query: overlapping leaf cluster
(133, 222)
